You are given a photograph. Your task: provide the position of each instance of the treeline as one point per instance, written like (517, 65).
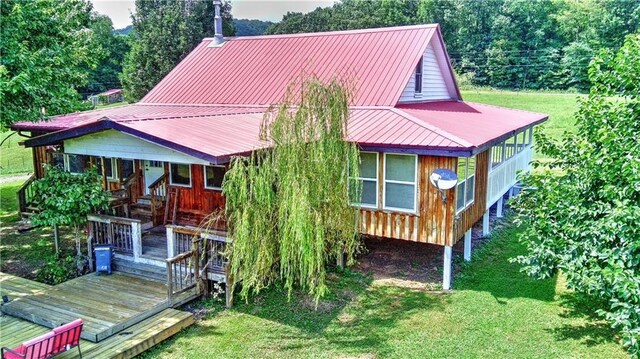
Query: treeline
(522, 44)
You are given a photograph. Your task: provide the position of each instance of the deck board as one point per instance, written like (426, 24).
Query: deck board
(107, 304)
(158, 325)
(144, 335)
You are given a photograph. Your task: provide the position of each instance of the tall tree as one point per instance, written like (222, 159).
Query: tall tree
(165, 32)
(288, 207)
(110, 49)
(585, 218)
(46, 50)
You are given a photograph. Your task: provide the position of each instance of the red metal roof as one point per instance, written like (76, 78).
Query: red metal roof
(257, 70)
(474, 123)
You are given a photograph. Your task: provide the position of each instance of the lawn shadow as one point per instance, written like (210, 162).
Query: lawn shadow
(356, 317)
(593, 330)
(491, 270)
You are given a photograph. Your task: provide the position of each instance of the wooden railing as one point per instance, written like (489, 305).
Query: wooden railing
(210, 245)
(26, 193)
(123, 234)
(158, 192)
(131, 186)
(183, 274)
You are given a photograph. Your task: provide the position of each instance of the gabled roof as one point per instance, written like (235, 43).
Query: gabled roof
(212, 104)
(377, 63)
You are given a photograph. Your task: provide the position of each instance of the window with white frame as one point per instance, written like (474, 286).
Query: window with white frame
(75, 163)
(127, 168)
(180, 174)
(364, 189)
(510, 147)
(110, 167)
(520, 140)
(400, 173)
(465, 190)
(497, 155)
(418, 78)
(213, 176)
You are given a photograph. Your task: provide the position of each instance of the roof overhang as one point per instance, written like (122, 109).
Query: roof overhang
(106, 124)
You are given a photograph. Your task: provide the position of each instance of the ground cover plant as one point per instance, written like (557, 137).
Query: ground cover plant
(584, 218)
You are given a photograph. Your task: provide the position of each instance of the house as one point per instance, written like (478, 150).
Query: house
(167, 154)
(107, 97)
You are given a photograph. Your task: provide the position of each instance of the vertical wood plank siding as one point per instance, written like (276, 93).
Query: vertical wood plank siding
(465, 220)
(433, 222)
(196, 202)
(40, 158)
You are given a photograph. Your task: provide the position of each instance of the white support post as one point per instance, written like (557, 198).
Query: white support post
(500, 206)
(446, 272)
(467, 245)
(485, 223)
(511, 192)
(170, 245)
(136, 234)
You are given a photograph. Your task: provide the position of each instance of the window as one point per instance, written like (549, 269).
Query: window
(418, 78)
(465, 190)
(109, 167)
(57, 160)
(510, 147)
(75, 163)
(367, 183)
(213, 176)
(180, 174)
(497, 155)
(400, 182)
(127, 168)
(520, 141)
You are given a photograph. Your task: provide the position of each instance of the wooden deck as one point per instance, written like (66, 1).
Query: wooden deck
(128, 343)
(107, 304)
(135, 340)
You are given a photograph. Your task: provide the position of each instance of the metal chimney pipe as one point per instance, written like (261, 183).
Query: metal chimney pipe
(218, 39)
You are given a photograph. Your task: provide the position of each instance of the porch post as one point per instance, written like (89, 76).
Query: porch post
(136, 239)
(170, 245)
(500, 205)
(446, 272)
(467, 245)
(485, 223)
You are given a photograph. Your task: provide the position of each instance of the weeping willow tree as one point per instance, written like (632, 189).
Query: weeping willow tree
(288, 210)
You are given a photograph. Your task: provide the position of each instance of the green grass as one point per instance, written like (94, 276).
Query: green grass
(494, 312)
(559, 106)
(14, 158)
(23, 253)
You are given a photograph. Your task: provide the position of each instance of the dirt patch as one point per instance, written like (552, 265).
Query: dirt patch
(415, 265)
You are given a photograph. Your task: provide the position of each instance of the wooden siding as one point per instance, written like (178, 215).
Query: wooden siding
(40, 157)
(112, 143)
(468, 217)
(433, 221)
(196, 202)
(434, 86)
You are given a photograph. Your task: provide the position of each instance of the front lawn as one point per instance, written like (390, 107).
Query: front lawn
(494, 312)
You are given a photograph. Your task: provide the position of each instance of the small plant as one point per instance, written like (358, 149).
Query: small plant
(56, 270)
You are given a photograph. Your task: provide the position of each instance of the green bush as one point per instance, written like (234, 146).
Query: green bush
(585, 218)
(56, 271)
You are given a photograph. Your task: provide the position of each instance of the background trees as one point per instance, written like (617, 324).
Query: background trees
(586, 221)
(46, 52)
(165, 32)
(501, 43)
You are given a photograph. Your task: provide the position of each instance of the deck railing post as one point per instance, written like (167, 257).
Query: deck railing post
(169, 284)
(136, 238)
(90, 246)
(170, 242)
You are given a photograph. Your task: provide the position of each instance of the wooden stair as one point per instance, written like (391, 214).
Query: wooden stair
(146, 271)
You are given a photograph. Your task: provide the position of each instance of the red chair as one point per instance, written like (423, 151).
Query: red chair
(59, 340)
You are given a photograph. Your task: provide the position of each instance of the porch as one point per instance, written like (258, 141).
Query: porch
(134, 317)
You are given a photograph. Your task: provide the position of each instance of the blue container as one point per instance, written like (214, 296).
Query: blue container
(104, 255)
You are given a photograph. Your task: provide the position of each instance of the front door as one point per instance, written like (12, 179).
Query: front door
(152, 171)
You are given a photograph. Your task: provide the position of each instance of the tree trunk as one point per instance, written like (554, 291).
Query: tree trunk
(56, 238)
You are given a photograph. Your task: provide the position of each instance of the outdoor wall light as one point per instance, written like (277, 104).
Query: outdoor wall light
(444, 179)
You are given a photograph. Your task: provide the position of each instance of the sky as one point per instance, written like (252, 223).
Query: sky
(272, 10)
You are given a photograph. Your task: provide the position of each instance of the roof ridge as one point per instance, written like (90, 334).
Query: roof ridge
(433, 128)
(198, 104)
(171, 117)
(330, 33)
